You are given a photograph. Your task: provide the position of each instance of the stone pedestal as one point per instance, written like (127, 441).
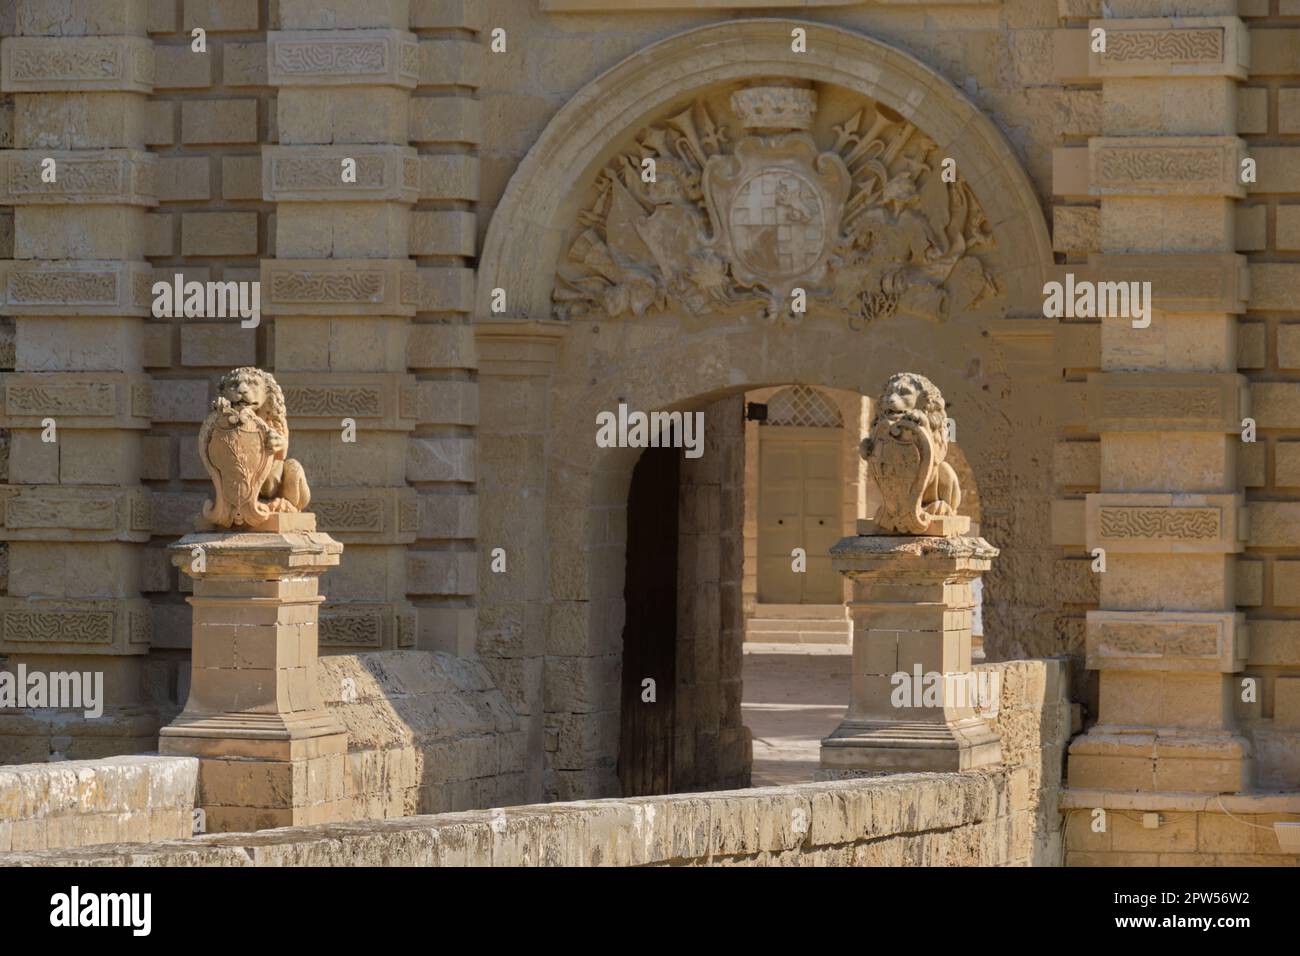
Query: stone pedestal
(270, 754)
(911, 606)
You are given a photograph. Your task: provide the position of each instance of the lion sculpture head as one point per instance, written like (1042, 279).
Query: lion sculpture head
(249, 387)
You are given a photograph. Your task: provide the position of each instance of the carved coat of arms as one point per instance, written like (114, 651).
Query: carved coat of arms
(866, 228)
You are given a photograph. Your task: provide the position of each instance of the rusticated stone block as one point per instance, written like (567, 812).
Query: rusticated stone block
(1277, 169)
(1275, 286)
(182, 178)
(219, 234)
(449, 232)
(220, 15)
(243, 64)
(450, 176)
(180, 67)
(1288, 227)
(218, 121)
(445, 119)
(451, 62)
(447, 290)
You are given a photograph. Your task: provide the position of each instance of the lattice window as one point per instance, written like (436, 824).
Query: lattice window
(801, 405)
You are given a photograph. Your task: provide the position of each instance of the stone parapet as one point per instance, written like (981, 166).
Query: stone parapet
(78, 803)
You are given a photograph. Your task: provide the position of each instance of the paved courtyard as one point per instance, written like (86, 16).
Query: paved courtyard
(795, 694)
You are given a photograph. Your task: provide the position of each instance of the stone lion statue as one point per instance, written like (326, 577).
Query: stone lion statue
(905, 448)
(243, 443)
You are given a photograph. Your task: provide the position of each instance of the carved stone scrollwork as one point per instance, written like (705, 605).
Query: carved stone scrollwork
(733, 216)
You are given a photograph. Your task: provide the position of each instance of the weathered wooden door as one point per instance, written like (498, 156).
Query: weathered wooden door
(800, 487)
(645, 760)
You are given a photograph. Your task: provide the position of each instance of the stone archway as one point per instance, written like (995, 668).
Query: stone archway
(550, 629)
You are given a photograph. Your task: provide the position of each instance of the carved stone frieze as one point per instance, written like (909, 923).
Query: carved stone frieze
(1153, 523)
(72, 287)
(733, 214)
(76, 64)
(33, 625)
(1166, 401)
(118, 176)
(367, 515)
(1178, 46)
(343, 58)
(386, 401)
(1166, 166)
(91, 400)
(337, 286)
(311, 173)
(73, 513)
(1166, 640)
(357, 624)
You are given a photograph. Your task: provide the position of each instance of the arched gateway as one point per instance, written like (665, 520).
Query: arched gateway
(650, 250)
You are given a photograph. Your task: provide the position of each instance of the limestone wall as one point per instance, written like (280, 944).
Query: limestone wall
(428, 732)
(905, 820)
(74, 803)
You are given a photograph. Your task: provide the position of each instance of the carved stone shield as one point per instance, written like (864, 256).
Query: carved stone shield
(233, 446)
(900, 468)
(776, 204)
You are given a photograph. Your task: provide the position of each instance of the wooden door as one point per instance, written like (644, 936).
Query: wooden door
(645, 758)
(799, 501)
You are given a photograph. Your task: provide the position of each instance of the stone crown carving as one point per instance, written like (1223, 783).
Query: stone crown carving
(738, 215)
(243, 445)
(905, 448)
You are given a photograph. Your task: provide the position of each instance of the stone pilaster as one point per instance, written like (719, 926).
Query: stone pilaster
(77, 288)
(516, 363)
(1167, 405)
(342, 291)
(442, 463)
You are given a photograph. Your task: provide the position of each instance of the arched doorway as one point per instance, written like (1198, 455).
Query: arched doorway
(590, 329)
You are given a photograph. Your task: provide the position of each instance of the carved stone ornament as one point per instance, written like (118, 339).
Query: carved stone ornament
(243, 443)
(905, 449)
(692, 220)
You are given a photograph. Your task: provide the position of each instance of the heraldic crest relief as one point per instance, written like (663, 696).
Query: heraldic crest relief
(868, 228)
